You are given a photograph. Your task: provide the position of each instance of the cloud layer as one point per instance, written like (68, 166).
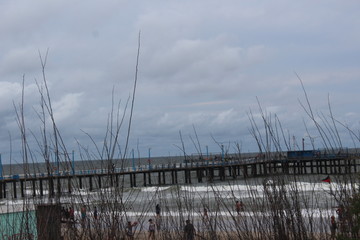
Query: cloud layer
(204, 65)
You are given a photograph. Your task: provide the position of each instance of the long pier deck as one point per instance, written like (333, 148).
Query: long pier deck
(172, 174)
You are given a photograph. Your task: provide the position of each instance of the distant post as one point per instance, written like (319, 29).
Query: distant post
(133, 159)
(149, 160)
(303, 144)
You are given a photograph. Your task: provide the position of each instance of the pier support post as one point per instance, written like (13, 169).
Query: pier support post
(34, 187)
(350, 164)
(326, 166)
(172, 177)
(134, 177)
(253, 170)
(245, 170)
(304, 166)
(347, 166)
(233, 170)
(90, 183)
(341, 165)
(80, 182)
(332, 166)
(312, 166)
(336, 166)
(298, 167)
(230, 171)
(318, 167)
(58, 186)
(294, 167)
(41, 188)
(285, 167)
(273, 167)
(199, 174)
(222, 173)
(354, 163)
(69, 184)
(111, 180)
(99, 181)
(189, 176)
(211, 174)
(164, 177)
(131, 180)
(22, 188)
(321, 167)
(149, 178)
(264, 172)
(159, 178)
(144, 175)
(14, 189)
(117, 180)
(51, 187)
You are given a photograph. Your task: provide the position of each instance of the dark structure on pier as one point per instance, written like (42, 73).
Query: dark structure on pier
(296, 162)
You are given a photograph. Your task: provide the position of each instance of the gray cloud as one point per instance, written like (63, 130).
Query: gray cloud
(202, 65)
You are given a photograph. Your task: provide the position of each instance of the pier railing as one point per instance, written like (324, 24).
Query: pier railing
(189, 164)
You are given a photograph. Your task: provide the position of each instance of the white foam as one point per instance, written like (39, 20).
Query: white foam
(315, 212)
(154, 189)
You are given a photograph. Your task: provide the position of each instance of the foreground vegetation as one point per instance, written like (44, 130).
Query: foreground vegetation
(282, 211)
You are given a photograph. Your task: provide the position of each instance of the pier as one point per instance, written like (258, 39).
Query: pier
(173, 174)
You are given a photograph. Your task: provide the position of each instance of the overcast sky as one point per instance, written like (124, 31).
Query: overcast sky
(202, 66)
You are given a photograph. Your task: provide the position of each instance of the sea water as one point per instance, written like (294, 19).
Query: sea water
(17, 225)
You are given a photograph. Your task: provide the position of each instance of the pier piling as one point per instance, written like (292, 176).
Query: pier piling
(200, 172)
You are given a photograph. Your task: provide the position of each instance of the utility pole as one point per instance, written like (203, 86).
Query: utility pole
(303, 144)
